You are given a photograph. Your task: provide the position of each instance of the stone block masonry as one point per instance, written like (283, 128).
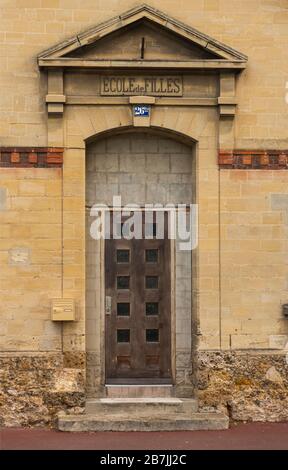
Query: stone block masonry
(257, 28)
(39, 379)
(248, 385)
(36, 386)
(232, 341)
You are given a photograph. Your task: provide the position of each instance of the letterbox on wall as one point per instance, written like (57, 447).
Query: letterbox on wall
(63, 310)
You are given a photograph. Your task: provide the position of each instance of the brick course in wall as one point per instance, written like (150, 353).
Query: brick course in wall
(254, 159)
(25, 157)
(49, 157)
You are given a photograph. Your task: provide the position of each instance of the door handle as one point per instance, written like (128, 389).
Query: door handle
(108, 305)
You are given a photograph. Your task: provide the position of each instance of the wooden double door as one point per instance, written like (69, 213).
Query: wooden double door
(138, 307)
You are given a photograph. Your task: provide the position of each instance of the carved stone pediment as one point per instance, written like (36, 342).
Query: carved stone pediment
(147, 55)
(143, 38)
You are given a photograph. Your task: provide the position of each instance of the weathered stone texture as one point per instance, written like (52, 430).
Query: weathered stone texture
(257, 28)
(73, 359)
(35, 387)
(251, 386)
(31, 258)
(240, 269)
(93, 374)
(253, 254)
(141, 168)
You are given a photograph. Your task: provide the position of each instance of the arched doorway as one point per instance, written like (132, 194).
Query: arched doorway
(146, 334)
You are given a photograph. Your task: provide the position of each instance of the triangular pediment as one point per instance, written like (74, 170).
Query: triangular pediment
(142, 40)
(143, 35)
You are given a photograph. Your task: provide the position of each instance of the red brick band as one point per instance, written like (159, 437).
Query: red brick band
(254, 159)
(49, 157)
(27, 157)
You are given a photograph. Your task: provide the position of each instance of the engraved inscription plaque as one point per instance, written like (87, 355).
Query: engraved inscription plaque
(139, 85)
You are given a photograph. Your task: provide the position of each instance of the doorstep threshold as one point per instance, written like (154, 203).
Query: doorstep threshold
(138, 385)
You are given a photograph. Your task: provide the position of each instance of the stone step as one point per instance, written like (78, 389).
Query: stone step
(137, 391)
(140, 406)
(173, 422)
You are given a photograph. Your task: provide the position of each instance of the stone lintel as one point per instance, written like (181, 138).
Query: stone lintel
(220, 64)
(124, 100)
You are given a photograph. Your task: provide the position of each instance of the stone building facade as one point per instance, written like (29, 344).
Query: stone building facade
(211, 79)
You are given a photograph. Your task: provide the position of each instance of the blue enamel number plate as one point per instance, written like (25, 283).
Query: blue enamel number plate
(141, 110)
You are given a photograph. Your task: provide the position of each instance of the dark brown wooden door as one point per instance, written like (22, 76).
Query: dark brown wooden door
(138, 309)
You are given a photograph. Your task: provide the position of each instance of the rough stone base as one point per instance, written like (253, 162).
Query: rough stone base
(251, 386)
(35, 387)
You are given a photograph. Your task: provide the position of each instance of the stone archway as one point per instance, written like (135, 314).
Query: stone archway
(185, 90)
(142, 166)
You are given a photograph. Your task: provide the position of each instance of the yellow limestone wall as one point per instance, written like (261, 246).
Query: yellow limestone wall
(257, 28)
(252, 247)
(31, 258)
(243, 257)
(253, 257)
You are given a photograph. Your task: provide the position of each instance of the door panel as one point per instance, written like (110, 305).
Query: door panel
(138, 324)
